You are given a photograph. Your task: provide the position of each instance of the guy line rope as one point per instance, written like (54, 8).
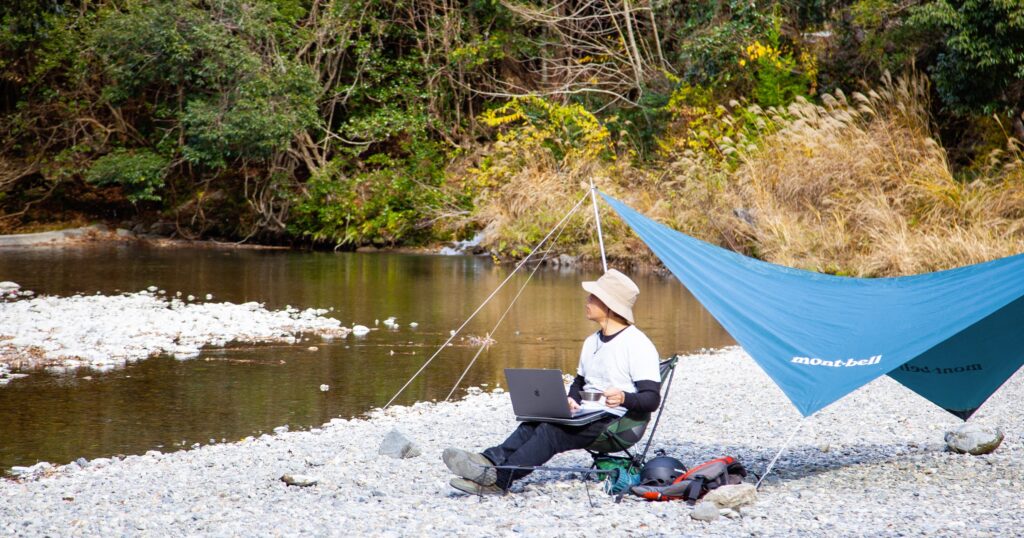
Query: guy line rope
(491, 296)
(505, 313)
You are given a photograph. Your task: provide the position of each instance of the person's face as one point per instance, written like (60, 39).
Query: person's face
(596, 310)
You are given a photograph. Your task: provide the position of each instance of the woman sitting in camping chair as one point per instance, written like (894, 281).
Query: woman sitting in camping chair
(619, 360)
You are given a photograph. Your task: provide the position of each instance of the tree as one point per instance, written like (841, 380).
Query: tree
(980, 64)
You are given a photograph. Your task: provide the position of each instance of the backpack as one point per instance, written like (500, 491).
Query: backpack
(696, 482)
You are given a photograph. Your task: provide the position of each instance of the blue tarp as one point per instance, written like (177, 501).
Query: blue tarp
(954, 337)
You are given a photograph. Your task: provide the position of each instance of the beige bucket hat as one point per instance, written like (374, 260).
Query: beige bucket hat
(616, 291)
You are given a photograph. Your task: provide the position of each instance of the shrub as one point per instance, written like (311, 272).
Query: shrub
(389, 204)
(779, 75)
(140, 173)
(701, 129)
(567, 131)
(980, 65)
(711, 34)
(253, 120)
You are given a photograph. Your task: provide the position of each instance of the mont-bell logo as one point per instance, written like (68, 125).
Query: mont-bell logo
(838, 363)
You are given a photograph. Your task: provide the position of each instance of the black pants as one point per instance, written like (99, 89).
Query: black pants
(534, 443)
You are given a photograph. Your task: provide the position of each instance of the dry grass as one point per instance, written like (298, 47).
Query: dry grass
(855, 186)
(860, 187)
(520, 196)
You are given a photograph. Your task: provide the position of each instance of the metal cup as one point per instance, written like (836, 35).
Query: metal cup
(591, 395)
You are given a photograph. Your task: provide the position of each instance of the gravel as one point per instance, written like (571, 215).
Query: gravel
(884, 470)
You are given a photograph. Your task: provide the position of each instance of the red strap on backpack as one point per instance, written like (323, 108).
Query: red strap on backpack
(727, 460)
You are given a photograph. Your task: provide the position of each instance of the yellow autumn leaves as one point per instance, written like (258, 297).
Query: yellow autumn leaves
(756, 52)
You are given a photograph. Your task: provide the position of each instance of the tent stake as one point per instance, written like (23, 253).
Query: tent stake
(781, 450)
(597, 219)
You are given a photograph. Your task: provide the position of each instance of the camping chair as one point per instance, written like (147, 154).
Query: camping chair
(627, 431)
(624, 433)
(620, 436)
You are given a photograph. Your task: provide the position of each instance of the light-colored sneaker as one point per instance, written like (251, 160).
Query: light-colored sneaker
(473, 488)
(470, 465)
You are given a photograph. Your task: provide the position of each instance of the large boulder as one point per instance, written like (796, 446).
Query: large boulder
(975, 439)
(398, 446)
(733, 496)
(163, 227)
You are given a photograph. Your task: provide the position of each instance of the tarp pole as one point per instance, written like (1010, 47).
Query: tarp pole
(597, 219)
(781, 450)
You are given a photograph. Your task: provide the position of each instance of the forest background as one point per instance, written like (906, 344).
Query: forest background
(854, 137)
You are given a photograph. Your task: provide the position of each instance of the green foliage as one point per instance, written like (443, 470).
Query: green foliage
(980, 67)
(140, 173)
(638, 127)
(389, 202)
(381, 184)
(878, 37)
(778, 76)
(811, 13)
(480, 50)
(198, 76)
(26, 25)
(568, 130)
(712, 37)
(253, 120)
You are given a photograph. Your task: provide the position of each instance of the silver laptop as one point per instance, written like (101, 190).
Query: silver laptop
(538, 395)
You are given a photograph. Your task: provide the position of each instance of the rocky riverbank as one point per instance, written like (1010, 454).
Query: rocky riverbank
(103, 331)
(872, 464)
(161, 234)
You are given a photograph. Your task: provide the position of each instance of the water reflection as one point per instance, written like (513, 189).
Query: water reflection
(163, 403)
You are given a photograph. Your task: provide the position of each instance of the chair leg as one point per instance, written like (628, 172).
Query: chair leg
(586, 487)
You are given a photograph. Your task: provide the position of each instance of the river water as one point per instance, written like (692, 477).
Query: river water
(228, 393)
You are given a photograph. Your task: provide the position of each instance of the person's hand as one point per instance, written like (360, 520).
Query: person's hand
(573, 406)
(614, 397)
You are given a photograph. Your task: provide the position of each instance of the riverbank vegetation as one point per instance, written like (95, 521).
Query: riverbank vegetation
(861, 137)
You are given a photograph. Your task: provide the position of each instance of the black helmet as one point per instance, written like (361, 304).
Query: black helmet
(661, 471)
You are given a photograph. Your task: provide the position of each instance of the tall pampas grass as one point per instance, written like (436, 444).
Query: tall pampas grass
(859, 186)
